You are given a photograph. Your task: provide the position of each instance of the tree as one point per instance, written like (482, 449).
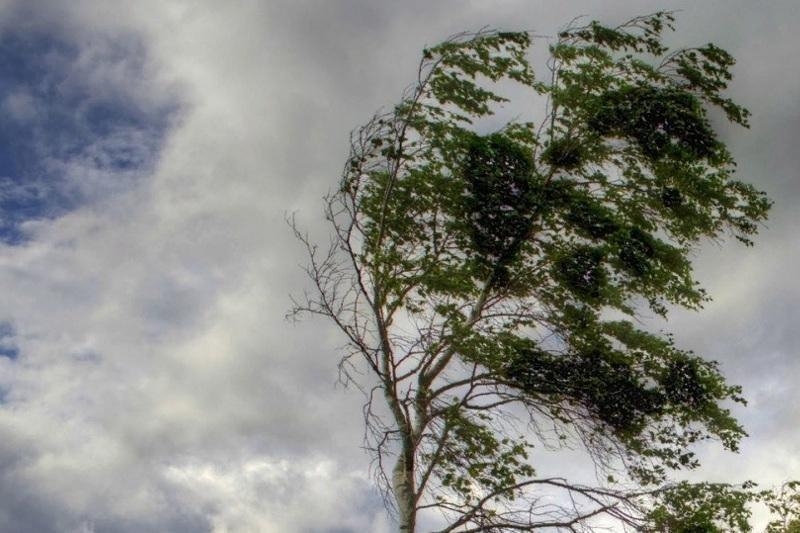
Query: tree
(784, 504)
(488, 281)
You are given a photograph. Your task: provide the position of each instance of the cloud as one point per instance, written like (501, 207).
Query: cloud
(85, 121)
(155, 384)
(275, 496)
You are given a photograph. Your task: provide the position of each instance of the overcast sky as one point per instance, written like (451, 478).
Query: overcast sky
(149, 152)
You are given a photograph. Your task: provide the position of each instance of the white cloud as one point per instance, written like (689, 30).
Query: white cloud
(264, 496)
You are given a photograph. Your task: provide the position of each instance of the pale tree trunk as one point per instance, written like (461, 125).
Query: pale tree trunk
(402, 486)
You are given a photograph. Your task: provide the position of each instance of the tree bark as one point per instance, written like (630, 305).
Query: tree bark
(402, 485)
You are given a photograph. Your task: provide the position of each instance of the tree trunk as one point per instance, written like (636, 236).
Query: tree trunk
(402, 485)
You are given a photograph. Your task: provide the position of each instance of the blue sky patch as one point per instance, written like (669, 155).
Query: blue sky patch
(67, 110)
(8, 347)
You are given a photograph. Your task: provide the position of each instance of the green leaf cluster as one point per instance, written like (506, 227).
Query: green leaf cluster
(475, 460)
(702, 508)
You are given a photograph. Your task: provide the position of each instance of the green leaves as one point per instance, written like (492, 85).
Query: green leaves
(621, 381)
(702, 508)
(477, 460)
(500, 199)
(580, 269)
(460, 62)
(490, 265)
(641, 34)
(662, 122)
(586, 222)
(565, 154)
(784, 504)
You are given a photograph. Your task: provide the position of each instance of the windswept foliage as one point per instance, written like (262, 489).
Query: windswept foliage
(490, 280)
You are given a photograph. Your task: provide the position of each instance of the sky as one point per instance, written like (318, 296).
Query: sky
(150, 152)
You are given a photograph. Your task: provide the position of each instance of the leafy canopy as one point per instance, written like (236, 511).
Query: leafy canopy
(491, 268)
